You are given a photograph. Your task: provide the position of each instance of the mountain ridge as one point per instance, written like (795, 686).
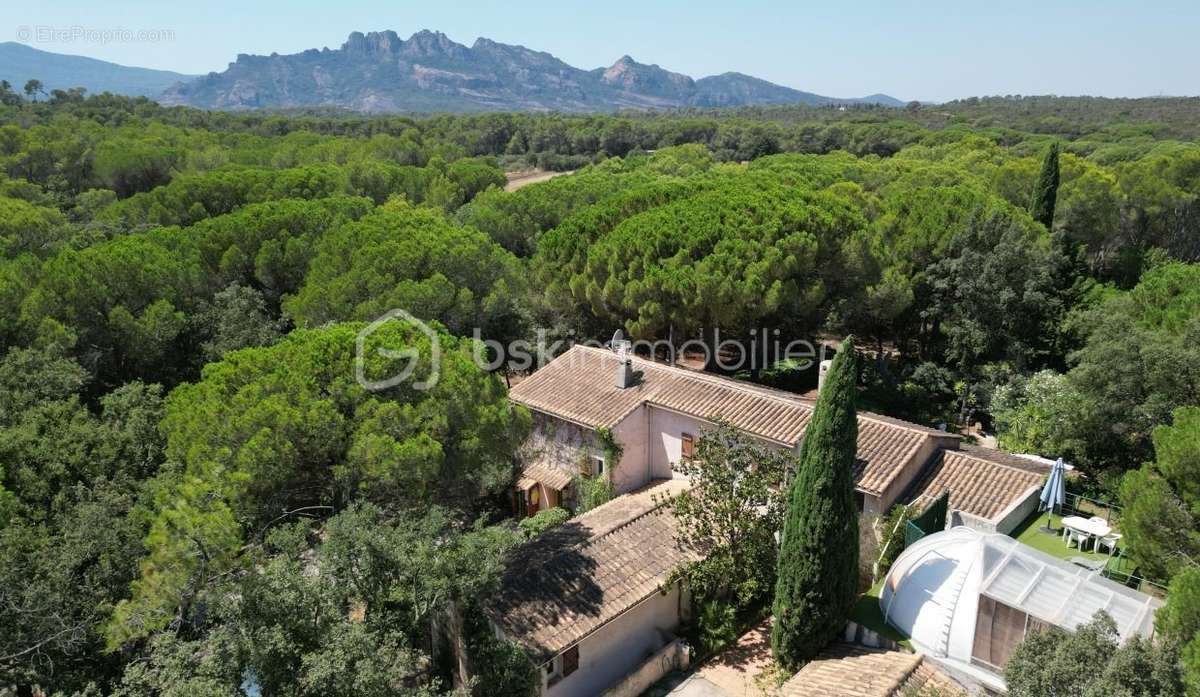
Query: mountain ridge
(380, 72)
(59, 71)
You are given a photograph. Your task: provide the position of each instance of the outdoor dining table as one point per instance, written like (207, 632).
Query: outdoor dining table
(1094, 529)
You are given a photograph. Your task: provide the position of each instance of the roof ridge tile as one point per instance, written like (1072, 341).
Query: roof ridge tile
(759, 390)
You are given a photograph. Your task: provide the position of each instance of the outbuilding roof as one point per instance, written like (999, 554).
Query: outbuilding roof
(580, 575)
(850, 670)
(579, 386)
(981, 482)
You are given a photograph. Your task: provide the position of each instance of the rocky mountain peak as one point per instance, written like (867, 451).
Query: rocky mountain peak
(427, 44)
(379, 71)
(485, 45)
(373, 43)
(629, 75)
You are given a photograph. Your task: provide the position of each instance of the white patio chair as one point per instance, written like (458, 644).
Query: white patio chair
(1109, 541)
(1079, 538)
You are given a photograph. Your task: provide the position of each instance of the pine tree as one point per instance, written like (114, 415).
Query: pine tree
(818, 557)
(1041, 206)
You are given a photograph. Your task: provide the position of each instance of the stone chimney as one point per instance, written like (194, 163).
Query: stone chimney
(622, 347)
(624, 372)
(822, 371)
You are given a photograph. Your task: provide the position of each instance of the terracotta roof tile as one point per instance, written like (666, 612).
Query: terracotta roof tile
(928, 680)
(586, 572)
(580, 386)
(1008, 459)
(848, 670)
(981, 482)
(551, 476)
(883, 450)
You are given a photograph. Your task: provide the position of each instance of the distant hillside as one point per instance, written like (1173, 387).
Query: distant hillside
(380, 72)
(19, 63)
(736, 89)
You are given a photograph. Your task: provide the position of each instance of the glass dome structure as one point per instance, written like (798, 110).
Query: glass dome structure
(971, 597)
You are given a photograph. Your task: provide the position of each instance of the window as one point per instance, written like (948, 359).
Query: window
(688, 449)
(570, 660)
(562, 665)
(597, 466)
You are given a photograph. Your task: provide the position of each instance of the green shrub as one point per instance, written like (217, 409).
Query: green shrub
(716, 626)
(501, 667)
(1092, 660)
(892, 544)
(542, 521)
(592, 492)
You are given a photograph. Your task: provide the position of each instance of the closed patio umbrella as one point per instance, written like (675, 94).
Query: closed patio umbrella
(1054, 493)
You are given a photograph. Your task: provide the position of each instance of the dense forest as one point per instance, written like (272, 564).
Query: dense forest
(196, 494)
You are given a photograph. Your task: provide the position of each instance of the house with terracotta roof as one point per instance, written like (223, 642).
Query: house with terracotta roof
(585, 600)
(657, 414)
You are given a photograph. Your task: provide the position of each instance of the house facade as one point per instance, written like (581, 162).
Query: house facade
(657, 418)
(556, 453)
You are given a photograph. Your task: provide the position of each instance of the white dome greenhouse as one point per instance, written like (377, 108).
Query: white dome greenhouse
(970, 597)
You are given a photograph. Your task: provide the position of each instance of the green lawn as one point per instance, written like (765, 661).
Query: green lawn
(1030, 533)
(867, 613)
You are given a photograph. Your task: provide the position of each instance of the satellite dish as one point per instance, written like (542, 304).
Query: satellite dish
(619, 344)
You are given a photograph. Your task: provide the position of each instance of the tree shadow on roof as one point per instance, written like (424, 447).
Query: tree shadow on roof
(547, 584)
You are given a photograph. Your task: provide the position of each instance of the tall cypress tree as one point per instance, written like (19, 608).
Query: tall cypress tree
(818, 557)
(1041, 206)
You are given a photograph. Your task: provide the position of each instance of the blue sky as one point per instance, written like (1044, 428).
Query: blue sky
(932, 50)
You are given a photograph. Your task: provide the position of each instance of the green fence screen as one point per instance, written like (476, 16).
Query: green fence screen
(932, 519)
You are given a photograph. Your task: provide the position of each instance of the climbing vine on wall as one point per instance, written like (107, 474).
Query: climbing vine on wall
(612, 449)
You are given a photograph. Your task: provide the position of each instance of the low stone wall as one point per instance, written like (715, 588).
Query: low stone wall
(674, 656)
(974, 522)
(1019, 511)
(1005, 521)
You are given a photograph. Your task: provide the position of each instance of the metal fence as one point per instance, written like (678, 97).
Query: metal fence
(1123, 570)
(1076, 504)
(904, 532)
